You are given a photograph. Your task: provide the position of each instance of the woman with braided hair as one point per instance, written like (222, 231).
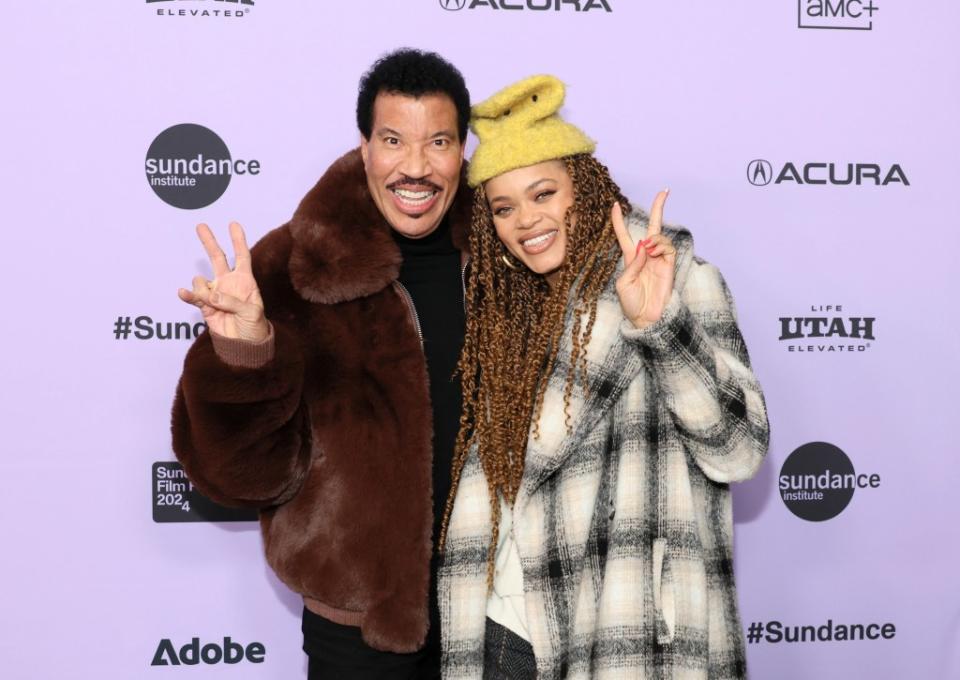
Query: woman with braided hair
(608, 404)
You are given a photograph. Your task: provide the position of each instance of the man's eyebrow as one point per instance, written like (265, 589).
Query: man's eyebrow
(380, 132)
(532, 186)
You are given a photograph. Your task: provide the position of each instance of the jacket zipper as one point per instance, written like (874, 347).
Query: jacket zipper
(463, 281)
(407, 298)
(405, 294)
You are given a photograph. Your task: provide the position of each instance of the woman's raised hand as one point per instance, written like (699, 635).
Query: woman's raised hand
(647, 280)
(231, 302)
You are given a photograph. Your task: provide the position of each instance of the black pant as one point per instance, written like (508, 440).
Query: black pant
(337, 652)
(506, 655)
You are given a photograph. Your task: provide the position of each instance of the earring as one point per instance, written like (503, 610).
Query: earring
(506, 261)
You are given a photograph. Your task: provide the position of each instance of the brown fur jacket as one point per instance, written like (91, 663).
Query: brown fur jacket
(326, 427)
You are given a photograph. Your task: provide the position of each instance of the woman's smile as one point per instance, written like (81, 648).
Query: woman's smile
(536, 243)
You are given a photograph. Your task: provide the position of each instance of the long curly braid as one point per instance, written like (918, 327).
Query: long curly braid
(514, 325)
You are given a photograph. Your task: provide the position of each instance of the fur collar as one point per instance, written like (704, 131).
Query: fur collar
(342, 245)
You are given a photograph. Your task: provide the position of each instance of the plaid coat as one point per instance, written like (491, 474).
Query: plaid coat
(624, 523)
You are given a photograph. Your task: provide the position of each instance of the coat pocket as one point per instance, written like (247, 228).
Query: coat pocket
(663, 598)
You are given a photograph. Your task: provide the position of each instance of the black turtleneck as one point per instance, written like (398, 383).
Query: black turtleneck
(431, 273)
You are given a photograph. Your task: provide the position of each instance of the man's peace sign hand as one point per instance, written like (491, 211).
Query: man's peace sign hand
(231, 303)
(647, 280)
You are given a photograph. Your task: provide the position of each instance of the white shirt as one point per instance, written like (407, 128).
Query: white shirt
(506, 602)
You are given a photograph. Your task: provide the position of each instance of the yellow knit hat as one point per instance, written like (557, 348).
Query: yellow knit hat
(519, 126)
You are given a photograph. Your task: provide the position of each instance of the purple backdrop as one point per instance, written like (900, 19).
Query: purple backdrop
(684, 95)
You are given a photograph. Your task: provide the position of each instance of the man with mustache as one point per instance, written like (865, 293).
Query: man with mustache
(322, 393)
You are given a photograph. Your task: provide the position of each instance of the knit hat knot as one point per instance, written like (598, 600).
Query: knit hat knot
(520, 126)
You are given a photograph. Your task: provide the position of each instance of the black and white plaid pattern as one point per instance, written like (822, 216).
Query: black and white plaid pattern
(624, 526)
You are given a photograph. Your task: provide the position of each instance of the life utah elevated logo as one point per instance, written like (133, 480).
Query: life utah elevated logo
(828, 329)
(202, 9)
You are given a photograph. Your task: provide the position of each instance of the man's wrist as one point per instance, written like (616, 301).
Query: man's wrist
(245, 353)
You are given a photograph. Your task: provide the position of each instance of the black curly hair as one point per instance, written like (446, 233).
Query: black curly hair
(414, 73)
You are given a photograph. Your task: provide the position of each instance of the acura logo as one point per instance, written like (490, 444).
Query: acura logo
(760, 172)
(532, 5)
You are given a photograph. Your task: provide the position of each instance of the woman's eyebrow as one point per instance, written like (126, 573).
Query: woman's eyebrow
(531, 187)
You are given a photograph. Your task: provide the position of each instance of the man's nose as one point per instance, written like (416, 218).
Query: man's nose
(415, 163)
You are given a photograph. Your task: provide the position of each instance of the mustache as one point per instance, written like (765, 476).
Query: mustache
(413, 181)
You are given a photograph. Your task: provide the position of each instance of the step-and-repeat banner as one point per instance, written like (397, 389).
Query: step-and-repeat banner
(811, 147)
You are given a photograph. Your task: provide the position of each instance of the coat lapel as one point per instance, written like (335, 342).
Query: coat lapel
(342, 244)
(612, 364)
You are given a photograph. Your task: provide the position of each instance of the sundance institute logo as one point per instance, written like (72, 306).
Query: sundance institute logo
(535, 5)
(188, 166)
(817, 481)
(202, 8)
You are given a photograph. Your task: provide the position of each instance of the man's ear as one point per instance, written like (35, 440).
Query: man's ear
(364, 149)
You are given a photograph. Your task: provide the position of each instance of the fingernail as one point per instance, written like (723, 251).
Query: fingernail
(667, 190)
(639, 246)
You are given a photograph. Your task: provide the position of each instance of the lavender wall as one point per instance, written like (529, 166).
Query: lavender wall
(683, 95)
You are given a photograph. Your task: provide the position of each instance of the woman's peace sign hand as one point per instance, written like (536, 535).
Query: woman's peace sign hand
(647, 280)
(231, 302)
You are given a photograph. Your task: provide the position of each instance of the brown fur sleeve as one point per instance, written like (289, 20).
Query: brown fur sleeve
(242, 433)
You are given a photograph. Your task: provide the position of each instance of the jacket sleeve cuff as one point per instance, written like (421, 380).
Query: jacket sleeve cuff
(658, 338)
(244, 353)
